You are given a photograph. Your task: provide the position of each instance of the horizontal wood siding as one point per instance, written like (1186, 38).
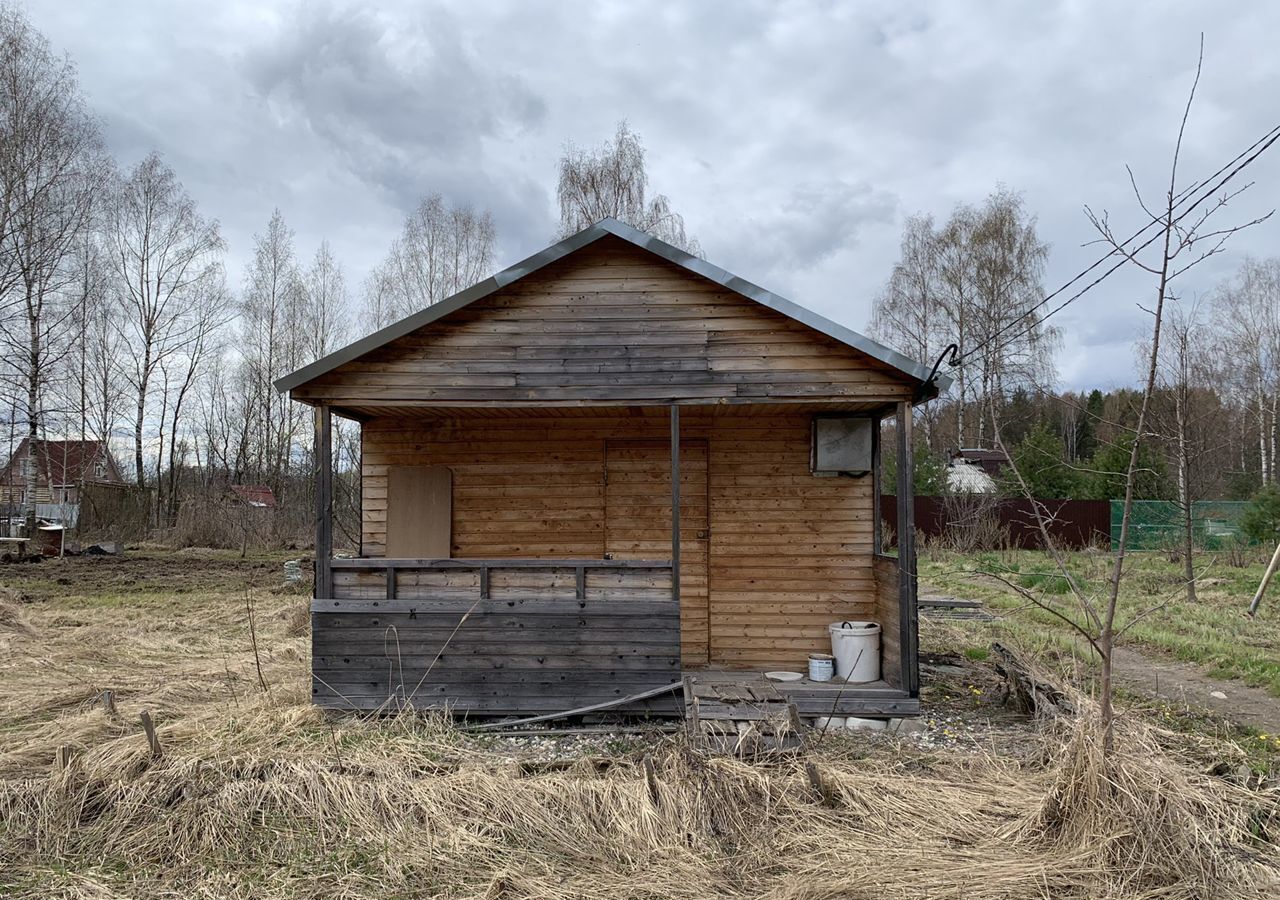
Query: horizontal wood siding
(609, 323)
(787, 552)
(889, 615)
(790, 552)
(493, 657)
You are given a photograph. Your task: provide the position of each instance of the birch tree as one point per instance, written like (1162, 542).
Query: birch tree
(326, 302)
(273, 341)
(613, 181)
(440, 251)
(164, 255)
(51, 166)
(1247, 309)
(974, 281)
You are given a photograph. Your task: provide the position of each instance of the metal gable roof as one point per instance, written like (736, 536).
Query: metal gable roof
(589, 235)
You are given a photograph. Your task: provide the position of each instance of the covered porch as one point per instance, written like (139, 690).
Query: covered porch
(592, 554)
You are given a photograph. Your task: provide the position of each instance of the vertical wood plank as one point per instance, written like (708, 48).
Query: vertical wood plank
(675, 503)
(324, 502)
(907, 552)
(877, 488)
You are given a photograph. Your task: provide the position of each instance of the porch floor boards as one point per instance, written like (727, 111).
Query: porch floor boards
(810, 698)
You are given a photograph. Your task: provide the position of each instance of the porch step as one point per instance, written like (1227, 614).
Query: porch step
(745, 717)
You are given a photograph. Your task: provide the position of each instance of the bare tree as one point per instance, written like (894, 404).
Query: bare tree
(273, 341)
(209, 313)
(1247, 309)
(51, 166)
(1176, 236)
(326, 304)
(441, 250)
(612, 181)
(907, 314)
(1187, 415)
(163, 254)
(975, 282)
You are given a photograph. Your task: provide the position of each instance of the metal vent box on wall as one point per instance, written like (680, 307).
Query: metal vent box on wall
(843, 445)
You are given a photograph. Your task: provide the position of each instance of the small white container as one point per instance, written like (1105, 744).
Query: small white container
(822, 666)
(856, 647)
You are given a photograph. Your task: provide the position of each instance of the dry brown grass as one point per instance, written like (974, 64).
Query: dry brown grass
(256, 795)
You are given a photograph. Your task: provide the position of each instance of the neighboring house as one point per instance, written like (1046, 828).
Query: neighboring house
(256, 496)
(966, 477)
(523, 446)
(993, 462)
(62, 468)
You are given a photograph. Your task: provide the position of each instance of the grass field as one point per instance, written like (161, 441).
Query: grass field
(258, 794)
(1212, 633)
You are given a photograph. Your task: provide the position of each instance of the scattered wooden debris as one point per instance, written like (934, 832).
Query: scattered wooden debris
(1032, 691)
(940, 607)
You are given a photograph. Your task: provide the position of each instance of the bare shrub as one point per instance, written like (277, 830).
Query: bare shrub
(972, 523)
(204, 522)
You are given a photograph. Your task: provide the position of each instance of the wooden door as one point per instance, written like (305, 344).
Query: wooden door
(419, 512)
(637, 523)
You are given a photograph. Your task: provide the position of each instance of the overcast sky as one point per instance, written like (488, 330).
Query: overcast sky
(793, 137)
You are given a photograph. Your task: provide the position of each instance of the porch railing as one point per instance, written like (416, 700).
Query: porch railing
(501, 579)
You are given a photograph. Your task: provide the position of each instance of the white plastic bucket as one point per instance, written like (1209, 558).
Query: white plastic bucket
(856, 647)
(822, 666)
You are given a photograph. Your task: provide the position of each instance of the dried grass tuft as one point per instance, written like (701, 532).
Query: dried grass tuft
(298, 619)
(12, 620)
(1144, 815)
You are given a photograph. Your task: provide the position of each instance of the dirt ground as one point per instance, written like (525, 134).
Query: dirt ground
(1186, 685)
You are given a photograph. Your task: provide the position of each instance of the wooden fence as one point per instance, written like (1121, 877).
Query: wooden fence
(1072, 524)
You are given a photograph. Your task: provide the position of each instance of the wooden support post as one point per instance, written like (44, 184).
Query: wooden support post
(391, 582)
(651, 776)
(1266, 580)
(484, 582)
(149, 727)
(675, 503)
(877, 488)
(580, 581)
(109, 702)
(909, 650)
(324, 503)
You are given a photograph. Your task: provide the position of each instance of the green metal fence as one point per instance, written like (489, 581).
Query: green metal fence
(1157, 524)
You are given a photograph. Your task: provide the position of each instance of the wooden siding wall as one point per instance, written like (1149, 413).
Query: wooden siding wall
(610, 323)
(888, 614)
(507, 656)
(788, 552)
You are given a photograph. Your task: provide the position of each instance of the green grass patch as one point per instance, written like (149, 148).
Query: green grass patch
(1211, 632)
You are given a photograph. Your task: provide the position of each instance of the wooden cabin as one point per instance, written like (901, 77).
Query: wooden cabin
(523, 447)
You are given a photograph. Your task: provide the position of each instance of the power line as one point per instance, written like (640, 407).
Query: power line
(1248, 155)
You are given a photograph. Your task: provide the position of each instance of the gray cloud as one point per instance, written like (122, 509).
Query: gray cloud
(793, 137)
